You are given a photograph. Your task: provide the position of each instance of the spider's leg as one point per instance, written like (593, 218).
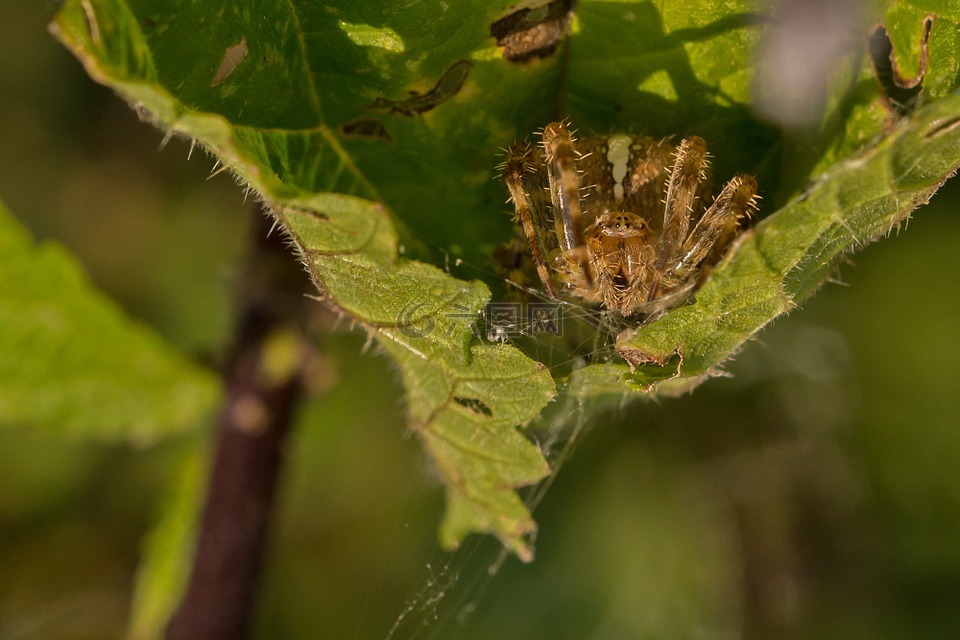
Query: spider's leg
(561, 159)
(519, 175)
(718, 226)
(688, 171)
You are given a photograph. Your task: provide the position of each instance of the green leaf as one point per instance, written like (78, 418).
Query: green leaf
(280, 100)
(859, 110)
(371, 131)
(670, 69)
(791, 253)
(695, 69)
(464, 399)
(168, 548)
(73, 363)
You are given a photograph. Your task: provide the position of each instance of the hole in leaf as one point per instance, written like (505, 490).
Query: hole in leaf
(474, 405)
(447, 86)
(534, 32)
(900, 93)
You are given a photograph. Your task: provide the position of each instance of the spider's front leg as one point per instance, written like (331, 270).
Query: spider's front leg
(688, 171)
(561, 159)
(680, 254)
(520, 176)
(717, 228)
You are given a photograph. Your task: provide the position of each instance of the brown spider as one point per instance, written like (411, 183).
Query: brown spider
(600, 235)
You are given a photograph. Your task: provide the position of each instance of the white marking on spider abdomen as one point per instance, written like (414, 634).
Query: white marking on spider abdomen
(618, 155)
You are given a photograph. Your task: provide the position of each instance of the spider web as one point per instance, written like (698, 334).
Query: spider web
(456, 582)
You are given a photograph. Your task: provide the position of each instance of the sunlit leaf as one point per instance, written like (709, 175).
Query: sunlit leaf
(344, 99)
(791, 253)
(464, 399)
(371, 131)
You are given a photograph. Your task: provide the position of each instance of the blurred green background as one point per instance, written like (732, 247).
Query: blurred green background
(815, 493)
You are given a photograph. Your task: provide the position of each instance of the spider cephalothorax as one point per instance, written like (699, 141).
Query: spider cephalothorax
(619, 220)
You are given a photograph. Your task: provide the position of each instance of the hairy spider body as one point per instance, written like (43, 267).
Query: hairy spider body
(619, 220)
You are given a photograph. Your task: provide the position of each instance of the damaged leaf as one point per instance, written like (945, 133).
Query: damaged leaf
(791, 253)
(372, 132)
(292, 119)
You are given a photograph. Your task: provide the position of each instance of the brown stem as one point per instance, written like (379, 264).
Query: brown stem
(251, 433)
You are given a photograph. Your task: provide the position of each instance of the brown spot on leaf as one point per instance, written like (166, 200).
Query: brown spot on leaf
(447, 86)
(368, 128)
(232, 57)
(533, 32)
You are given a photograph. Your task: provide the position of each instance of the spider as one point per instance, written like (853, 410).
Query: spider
(619, 221)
